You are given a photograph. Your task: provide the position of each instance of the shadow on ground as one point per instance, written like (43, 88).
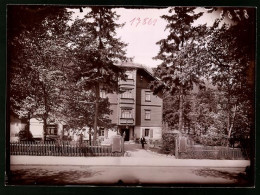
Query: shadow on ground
(237, 177)
(48, 177)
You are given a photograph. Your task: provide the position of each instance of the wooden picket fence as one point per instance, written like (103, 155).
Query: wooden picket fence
(231, 153)
(60, 149)
(212, 152)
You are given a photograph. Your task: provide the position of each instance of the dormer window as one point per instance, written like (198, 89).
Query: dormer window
(129, 75)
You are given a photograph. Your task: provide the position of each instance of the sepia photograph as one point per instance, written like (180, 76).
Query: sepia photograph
(130, 96)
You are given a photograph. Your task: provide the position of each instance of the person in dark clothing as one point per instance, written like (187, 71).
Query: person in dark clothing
(142, 142)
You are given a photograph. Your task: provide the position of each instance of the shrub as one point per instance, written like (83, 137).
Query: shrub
(25, 134)
(168, 143)
(211, 140)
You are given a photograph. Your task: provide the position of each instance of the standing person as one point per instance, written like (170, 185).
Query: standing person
(142, 141)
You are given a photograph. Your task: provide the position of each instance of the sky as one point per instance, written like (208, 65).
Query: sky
(142, 29)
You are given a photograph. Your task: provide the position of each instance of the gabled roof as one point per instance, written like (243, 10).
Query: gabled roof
(146, 69)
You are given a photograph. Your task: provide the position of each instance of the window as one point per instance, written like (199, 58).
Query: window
(129, 75)
(126, 113)
(147, 96)
(102, 93)
(147, 114)
(52, 129)
(127, 93)
(146, 132)
(102, 132)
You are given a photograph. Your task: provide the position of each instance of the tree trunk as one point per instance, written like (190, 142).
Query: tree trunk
(228, 115)
(45, 115)
(232, 124)
(28, 125)
(44, 128)
(89, 135)
(96, 114)
(228, 122)
(62, 133)
(181, 110)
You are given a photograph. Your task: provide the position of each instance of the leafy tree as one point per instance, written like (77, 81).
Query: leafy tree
(208, 117)
(80, 105)
(36, 56)
(179, 52)
(230, 55)
(171, 114)
(170, 110)
(95, 53)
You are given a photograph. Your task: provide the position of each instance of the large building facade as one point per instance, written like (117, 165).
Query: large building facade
(136, 111)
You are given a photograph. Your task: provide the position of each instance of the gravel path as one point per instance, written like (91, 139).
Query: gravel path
(135, 150)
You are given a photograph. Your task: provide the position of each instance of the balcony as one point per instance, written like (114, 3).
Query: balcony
(127, 82)
(126, 121)
(127, 100)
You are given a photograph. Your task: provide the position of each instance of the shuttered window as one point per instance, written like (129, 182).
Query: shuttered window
(146, 132)
(52, 130)
(151, 133)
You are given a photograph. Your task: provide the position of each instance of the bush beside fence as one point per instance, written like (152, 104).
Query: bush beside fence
(60, 149)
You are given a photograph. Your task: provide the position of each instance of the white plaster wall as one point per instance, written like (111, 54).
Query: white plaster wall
(60, 129)
(36, 128)
(137, 132)
(111, 133)
(85, 133)
(15, 127)
(157, 132)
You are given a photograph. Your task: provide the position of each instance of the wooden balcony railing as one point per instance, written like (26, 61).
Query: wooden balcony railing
(126, 121)
(126, 82)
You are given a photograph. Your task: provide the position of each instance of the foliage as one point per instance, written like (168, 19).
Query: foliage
(230, 66)
(208, 117)
(168, 143)
(36, 56)
(171, 114)
(223, 55)
(170, 110)
(95, 53)
(96, 50)
(64, 65)
(213, 153)
(80, 106)
(179, 55)
(25, 134)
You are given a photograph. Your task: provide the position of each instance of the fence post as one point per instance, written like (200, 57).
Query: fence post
(123, 147)
(176, 148)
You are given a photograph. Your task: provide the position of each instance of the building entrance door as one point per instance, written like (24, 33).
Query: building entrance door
(126, 132)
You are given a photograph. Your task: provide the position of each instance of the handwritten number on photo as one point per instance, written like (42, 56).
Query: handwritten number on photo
(145, 21)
